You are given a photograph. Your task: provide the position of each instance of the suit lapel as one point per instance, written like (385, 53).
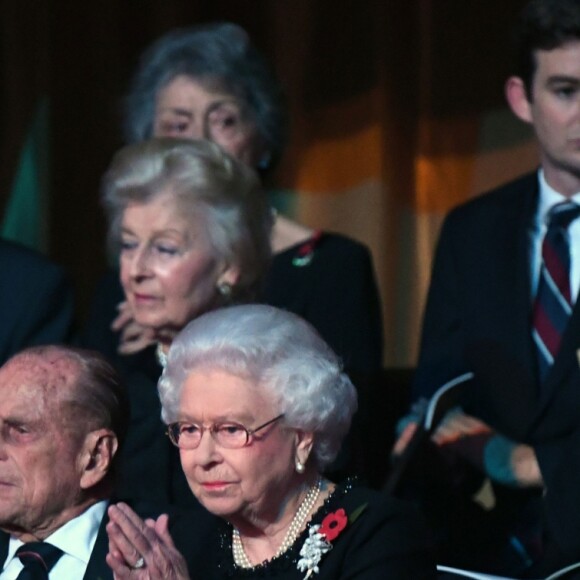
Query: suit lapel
(506, 358)
(97, 568)
(4, 541)
(519, 285)
(566, 361)
(513, 295)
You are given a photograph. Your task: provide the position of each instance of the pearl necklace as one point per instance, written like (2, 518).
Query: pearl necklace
(241, 558)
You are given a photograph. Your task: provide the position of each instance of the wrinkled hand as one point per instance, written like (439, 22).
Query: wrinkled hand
(131, 538)
(134, 337)
(456, 425)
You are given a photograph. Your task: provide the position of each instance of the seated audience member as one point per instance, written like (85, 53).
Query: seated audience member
(258, 405)
(63, 416)
(36, 300)
(503, 304)
(191, 227)
(209, 82)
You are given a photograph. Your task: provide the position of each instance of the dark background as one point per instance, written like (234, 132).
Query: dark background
(428, 60)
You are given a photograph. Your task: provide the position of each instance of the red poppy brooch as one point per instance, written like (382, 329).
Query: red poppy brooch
(320, 537)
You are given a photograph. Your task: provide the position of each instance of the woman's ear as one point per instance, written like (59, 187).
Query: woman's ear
(304, 444)
(518, 99)
(230, 276)
(227, 281)
(96, 457)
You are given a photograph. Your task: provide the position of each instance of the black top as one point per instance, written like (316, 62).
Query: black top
(328, 280)
(383, 539)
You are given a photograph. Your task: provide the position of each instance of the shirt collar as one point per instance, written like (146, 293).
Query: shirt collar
(76, 538)
(549, 197)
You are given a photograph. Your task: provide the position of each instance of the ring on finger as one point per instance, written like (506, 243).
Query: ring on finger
(140, 563)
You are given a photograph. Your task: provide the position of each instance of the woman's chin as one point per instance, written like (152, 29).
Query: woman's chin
(219, 500)
(222, 509)
(152, 324)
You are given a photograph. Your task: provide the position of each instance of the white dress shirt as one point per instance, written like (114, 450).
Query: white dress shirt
(548, 198)
(76, 539)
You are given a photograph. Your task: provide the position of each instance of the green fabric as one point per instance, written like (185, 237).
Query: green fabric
(284, 200)
(25, 213)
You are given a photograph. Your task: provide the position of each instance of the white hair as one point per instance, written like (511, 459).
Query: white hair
(282, 355)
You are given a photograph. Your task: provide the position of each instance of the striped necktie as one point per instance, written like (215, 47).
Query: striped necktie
(38, 558)
(553, 303)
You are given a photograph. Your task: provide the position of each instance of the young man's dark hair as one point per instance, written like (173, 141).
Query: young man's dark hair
(543, 25)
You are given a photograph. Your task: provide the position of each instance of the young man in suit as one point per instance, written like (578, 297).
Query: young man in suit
(63, 417)
(503, 304)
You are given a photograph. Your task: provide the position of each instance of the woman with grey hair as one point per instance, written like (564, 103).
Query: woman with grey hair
(248, 118)
(209, 82)
(257, 404)
(191, 228)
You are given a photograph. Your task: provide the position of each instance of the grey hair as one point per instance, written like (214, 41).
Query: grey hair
(205, 181)
(218, 55)
(278, 352)
(97, 397)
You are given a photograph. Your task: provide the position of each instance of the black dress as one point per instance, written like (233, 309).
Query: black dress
(329, 281)
(386, 540)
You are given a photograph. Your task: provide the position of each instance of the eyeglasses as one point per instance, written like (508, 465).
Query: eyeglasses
(227, 434)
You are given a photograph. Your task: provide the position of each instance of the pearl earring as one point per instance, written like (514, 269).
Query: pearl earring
(300, 468)
(225, 290)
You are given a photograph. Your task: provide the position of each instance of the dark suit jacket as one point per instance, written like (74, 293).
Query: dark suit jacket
(478, 318)
(36, 302)
(190, 532)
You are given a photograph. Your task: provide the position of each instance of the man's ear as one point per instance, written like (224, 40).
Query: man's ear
(518, 99)
(96, 456)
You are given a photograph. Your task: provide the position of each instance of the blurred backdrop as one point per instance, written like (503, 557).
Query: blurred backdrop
(397, 115)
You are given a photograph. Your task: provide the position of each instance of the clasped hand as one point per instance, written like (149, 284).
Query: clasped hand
(142, 549)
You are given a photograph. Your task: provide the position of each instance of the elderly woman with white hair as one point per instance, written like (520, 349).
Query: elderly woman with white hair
(258, 405)
(191, 227)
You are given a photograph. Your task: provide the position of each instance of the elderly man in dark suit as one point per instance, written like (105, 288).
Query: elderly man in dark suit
(63, 417)
(503, 304)
(36, 300)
